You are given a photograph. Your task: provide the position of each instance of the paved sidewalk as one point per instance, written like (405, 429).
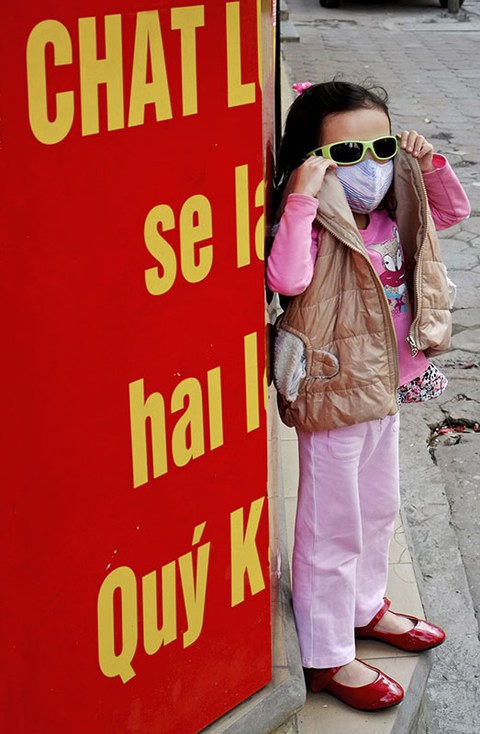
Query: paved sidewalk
(429, 63)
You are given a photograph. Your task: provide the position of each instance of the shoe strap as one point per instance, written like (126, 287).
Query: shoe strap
(318, 678)
(381, 613)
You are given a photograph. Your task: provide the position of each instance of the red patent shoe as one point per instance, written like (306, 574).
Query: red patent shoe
(423, 636)
(381, 694)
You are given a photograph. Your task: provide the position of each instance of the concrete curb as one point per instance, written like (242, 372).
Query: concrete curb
(451, 703)
(410, 716)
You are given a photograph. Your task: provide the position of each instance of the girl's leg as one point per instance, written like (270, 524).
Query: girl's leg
(379, 495)
(328, 541)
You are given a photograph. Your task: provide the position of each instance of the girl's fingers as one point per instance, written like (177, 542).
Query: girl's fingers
(416, 144)
(422, 147)
(404, 139)
(309, 176)
(316, 161)
(426, 149)
(408, 140)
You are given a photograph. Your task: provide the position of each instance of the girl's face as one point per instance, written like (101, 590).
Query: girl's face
(364, 123)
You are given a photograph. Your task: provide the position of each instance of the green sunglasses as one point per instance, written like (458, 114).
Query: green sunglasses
(349, 152)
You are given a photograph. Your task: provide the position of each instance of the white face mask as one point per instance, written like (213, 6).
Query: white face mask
(365, 184)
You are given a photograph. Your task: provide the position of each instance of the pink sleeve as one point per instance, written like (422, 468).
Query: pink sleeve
(294, 250)
(448, 201)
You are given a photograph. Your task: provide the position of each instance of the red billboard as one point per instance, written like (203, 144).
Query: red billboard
(134, 496)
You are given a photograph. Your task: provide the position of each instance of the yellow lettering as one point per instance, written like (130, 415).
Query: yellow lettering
(242, 216)
(191, 422)
(111, 664)
(95, 71)
(244, 552)
(215, 416)
(154, 638)
(157, 283)
(260, 228)
(194, 586)
(187, 20)
(196, 226)
(45, 130)
(148, 41)
(251, 381)
(141, 410)
(239, 93)
(260, 47)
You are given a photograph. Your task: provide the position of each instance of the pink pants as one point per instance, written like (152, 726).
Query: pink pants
(348, 500)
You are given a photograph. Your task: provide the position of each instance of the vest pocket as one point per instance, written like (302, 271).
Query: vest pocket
(292, 360)
(324, 365)
(289, 364)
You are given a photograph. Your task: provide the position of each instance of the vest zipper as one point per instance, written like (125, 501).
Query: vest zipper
(412, 338)
(383, 298)
(413, 345)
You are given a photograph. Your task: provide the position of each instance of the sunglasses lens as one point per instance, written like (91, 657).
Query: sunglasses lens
(385, 147)
(346, 152)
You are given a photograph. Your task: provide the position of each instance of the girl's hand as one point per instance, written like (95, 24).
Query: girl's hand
(308, 178)
(420, 148)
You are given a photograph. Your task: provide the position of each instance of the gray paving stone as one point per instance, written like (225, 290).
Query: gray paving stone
(459, 260)
(468, 340)
(453, 246)
(465, 235)
(472, 225)
(466, 317)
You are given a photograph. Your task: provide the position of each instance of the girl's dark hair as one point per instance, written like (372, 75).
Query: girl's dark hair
(306, 115)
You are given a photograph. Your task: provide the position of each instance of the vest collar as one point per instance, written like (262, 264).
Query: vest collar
(334, 213)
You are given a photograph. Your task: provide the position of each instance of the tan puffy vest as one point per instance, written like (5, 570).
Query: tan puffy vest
(343, 317)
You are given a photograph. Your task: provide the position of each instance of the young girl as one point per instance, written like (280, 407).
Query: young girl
(356, 251)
